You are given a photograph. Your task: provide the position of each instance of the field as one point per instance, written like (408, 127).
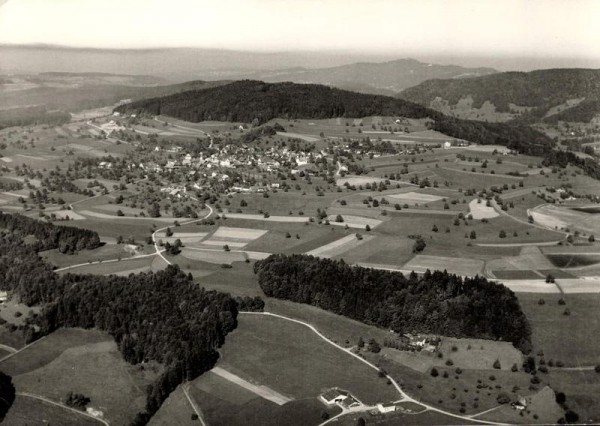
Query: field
(105, 252)
(122, 267)
(82, 361)
(460, 266)
(263, 351)
(27, 411)
(223, 403)
(473, 354)
(339, 247)
(552, 331)
(175, 410)
(561, 217)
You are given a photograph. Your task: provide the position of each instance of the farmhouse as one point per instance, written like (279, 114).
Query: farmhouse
(388, 407)
(333, 396)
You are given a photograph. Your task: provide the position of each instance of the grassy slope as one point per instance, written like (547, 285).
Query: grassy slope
(292, 360)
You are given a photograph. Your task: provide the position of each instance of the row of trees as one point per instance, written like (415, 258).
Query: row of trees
(435, 302)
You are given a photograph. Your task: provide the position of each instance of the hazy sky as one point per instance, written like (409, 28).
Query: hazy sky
(555, 28)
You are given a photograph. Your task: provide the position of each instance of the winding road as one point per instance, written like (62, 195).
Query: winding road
(404, 397)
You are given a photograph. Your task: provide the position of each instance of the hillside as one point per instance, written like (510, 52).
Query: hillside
(385, 78)
(249, 101)
(532, 96)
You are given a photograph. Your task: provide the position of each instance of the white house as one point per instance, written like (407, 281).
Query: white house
(447, 145)
(388, 407)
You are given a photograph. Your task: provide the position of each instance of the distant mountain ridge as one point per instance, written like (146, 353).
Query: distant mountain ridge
(248, 100)
(543, 95)
(385, 78)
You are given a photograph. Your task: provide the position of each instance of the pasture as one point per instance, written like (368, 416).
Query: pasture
(559, 217)
(105, 252)
(455, 265)
(470, 390)
(176, 409)
(27, 411)
(82, 361)
(338, 247)
(275, 352)
(552, 331)
(479, 354)
(123, 267)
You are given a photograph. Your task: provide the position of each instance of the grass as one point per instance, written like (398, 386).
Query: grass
(553, 332)
(451, 392)
(393, 419)
(516, 275)
(97, 371)
(14, 339)
(294, 361)
(473, 354)
(122, 267)
(382, 249)
(175, 410)
(105, 252)
(258, 411)
(344, 331)
(46, 350)
(581, 389)
(573, 260)
(28, 411)
(281, 203)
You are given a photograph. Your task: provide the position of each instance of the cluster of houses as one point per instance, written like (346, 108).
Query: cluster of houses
(422, 343)
(347, 401)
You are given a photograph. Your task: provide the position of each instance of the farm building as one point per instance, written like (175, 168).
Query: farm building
(388, 407)
(333, 396)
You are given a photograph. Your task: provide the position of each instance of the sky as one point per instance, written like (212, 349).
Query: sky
(544, 28)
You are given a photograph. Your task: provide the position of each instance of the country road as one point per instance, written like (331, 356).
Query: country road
(58, 404)
(404, 396)
(160, 252)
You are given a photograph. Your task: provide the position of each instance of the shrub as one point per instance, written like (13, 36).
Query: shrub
(434, 372)
(449, 362)
(497, 365)
(503, 398)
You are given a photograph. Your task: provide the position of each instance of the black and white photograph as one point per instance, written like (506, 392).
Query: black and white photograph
(299, 212)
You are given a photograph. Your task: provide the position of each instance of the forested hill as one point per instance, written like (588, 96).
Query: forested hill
(438, 302)
(540, 90)
(248, 100)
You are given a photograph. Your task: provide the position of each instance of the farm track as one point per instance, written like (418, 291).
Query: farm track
(403, 395)
(502, 212)
(22, 349)
(193, 404)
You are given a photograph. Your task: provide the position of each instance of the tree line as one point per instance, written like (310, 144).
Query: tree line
(250, 101)
(48, 236)
(435, 302)
(163, 317)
